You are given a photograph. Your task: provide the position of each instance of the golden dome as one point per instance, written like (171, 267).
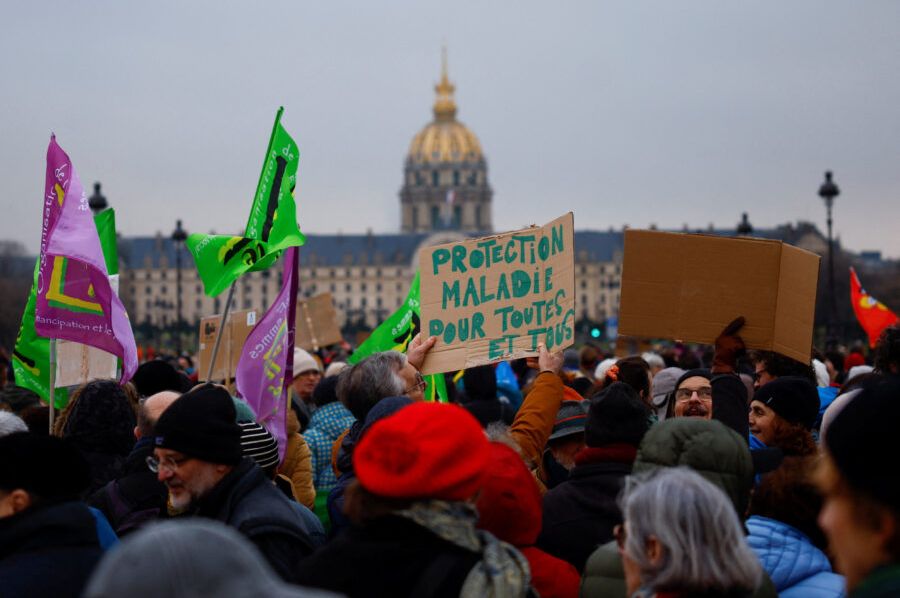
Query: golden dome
(445, 139)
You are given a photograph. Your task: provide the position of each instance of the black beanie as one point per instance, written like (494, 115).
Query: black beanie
(201, 424)
(156, 376)
(325, 391)
(49, 467)
(701, 372)
(616, 415)
(861, 440)
(792, 398)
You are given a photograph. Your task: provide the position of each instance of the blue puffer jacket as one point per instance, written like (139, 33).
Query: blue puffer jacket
(797, 568)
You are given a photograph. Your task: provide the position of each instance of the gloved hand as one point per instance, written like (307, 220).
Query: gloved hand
(729, 347)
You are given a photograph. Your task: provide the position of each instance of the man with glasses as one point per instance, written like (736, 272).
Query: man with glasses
(136, 496)
(198, 456)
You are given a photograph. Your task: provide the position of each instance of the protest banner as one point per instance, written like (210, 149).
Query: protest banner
(317, 323)
(499, 297)
(688, 287)
(237, 329)
(78, 364)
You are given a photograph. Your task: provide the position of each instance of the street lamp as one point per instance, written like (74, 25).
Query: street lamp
(97, 201)
(179, 235)
(828, 191)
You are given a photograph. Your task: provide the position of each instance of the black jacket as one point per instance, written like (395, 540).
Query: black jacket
(580, 513)
(490, 410)
(390, 557)
(249, 502)
(136, 497)
(730, 404)
(48, 551)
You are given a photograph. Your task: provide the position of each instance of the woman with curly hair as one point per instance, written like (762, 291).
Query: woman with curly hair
(782, 414)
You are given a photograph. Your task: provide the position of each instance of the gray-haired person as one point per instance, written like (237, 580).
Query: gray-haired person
(682, 537)
(11, 423)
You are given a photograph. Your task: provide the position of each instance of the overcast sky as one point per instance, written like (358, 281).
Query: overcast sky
(626, 112)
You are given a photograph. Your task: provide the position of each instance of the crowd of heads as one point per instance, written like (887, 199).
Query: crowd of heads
(677, 472)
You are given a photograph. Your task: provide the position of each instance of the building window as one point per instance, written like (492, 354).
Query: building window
(331, 273)
(362, 287)
(362, 302)
(435, 217)
(332, 287)
(435, 178)
(149, 290)
(378, 286)
(415, 217)
(378, 301)
(456, 177)
(347, 287)
(199, 304)
(457, 216)
(163, 289)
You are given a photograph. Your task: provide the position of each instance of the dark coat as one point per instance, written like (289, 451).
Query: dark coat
(136, 497)
(249, 502)
(487, 411)
(730, 403)
(48, 551)
(391, 557)
(580, 513)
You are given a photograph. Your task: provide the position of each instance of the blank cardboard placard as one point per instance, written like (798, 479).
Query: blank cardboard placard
(78, 364)
(317, 323)
(237, 329)
(498, 297)
(689, 287)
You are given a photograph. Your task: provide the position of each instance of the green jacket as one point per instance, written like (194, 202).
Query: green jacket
(712, 450)
(881, 583)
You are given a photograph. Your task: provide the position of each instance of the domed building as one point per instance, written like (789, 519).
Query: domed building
(445, 184)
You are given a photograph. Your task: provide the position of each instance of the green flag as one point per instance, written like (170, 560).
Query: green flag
(105, 222)
(395, 334)
(271, 227)
(31, 357)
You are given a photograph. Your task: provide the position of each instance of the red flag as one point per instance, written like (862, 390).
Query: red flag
(872, 314)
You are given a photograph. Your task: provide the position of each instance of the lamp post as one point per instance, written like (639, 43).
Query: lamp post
(97, 201)
(828, 191)
(179, 235)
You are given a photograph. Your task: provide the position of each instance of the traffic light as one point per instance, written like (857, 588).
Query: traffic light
(595, 332)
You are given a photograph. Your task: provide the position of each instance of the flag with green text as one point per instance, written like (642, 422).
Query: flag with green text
(271, 227)
(395, 334)
(31, 356)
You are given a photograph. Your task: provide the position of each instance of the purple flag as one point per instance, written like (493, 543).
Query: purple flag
(74, 298)
(264, 371)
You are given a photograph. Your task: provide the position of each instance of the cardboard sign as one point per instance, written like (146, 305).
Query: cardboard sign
(78, 364)
(237, 329)
(689, 287)
(498, 297)
(317, 323)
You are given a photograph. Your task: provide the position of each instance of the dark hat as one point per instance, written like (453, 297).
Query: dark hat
(201, 424)
(792, 398)
(570, 419)
(51, 468)
(701, 372)
(325, 391)
(258, 444)
(860, 440)
(156, 376)
(616, 415)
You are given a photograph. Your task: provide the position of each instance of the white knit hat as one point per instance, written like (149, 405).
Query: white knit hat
(304, 362)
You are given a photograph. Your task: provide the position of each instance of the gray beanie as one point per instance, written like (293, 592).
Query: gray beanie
(189, 559)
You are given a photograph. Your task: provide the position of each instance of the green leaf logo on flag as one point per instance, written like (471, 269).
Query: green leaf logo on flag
(271, 227)
(395, 334)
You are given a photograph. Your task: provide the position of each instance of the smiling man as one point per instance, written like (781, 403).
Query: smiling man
(197, 455)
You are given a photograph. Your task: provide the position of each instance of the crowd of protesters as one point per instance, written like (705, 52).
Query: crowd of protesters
(679, 473)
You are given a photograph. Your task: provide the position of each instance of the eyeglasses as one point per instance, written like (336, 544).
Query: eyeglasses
(685, 394)
(170, 464)
(620, 535)
(419, 384)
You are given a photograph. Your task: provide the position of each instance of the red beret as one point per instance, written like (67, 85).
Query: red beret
(426, 450)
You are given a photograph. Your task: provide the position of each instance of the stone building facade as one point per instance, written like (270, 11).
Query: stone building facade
(445, 196)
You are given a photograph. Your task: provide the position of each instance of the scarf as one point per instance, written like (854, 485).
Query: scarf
(502, 571)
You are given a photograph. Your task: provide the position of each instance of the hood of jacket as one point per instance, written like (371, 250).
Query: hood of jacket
(64, 524)
(708, 447)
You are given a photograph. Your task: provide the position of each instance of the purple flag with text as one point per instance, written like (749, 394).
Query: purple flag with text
(74, 298)
(264, 370)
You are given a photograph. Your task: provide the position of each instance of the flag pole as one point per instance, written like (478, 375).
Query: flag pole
(215, 351)
(52, 383)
